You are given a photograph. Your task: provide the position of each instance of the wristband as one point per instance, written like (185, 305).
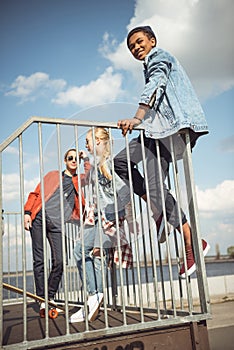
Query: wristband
(138, 119)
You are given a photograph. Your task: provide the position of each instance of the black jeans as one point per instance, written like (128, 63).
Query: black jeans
(135, 151)
(54, 236)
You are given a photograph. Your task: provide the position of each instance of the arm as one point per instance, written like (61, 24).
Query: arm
(87, 166)
(27, 222)
(128, 124)
(131, 219)
(32, 197)
(156, 76)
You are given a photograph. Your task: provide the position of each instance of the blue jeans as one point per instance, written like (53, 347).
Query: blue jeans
(93, 269)
(54, 236)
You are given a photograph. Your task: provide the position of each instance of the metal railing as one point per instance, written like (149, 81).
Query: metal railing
(151, 290)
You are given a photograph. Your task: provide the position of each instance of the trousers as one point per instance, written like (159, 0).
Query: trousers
(153, 176)
(54, 237)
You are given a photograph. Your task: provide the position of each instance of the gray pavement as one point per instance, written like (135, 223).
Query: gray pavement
(221, 326)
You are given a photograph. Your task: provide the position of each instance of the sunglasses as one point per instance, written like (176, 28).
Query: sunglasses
(70, 158)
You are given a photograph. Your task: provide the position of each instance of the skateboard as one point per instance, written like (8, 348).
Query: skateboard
(52, 313)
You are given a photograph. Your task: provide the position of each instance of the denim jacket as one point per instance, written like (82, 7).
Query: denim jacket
(169, 93)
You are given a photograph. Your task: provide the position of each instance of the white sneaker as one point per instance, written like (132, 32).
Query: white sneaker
(42, 305)
(79, 316)
(94, 303)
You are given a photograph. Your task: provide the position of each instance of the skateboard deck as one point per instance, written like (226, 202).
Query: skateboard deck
(53, 313)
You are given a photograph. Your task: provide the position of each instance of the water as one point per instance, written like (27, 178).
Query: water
(220, 268)
(212, 269)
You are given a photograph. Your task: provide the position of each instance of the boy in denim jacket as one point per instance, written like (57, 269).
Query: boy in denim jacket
(167, 105)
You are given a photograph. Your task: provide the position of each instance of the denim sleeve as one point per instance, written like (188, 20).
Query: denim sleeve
(157, 71)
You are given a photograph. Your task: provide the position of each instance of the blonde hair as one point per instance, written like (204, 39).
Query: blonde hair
(103, 134)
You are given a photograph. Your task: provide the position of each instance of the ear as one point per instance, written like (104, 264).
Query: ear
(97, 141)
(153, 41)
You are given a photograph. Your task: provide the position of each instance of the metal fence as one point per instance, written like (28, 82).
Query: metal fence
(151, 290)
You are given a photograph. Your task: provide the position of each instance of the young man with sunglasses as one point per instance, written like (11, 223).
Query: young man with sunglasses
(33, 218)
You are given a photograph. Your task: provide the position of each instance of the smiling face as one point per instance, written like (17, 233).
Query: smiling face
(71, 162)
(140, 45)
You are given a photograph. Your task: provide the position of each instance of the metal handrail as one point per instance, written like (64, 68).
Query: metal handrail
(132, 295)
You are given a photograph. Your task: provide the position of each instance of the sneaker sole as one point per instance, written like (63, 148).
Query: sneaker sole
(71, 320)
(207, 248)
(93, 317)
(193, 268)
(189, 272)
(76, 321)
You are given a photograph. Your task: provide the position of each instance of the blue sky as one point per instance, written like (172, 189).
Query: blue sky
(61, 57)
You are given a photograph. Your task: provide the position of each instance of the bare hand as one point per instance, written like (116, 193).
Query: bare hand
(82, 154)
(127, 125)
(27, 222)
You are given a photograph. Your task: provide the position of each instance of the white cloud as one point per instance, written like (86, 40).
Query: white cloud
(31, 87)
(12, 150)
(197, 32)
(11, 188)
(106, 88)
(216, 208)
(103, 90)
(218, 200)
(12, 244)
(119, 57)
(227, 144)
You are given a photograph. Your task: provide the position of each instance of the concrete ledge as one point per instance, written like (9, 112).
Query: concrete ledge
(221, 285)
(221, 288)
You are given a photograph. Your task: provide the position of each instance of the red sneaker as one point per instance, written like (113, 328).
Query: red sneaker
(191, 265)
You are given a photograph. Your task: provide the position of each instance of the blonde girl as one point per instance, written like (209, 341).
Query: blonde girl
(98, 145)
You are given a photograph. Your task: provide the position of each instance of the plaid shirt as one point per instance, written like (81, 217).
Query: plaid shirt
(109, 227)
(126, 256)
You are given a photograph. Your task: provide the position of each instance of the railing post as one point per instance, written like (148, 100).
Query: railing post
(195, 226)
(1, 257)
(141, 306)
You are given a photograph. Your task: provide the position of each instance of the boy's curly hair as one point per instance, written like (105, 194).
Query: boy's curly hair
(145, 29)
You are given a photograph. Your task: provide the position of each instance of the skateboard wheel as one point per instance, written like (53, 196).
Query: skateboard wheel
(53, 313)
(42, 313)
